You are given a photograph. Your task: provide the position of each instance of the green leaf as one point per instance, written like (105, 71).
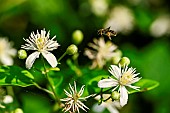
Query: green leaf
(13, 75)
(92, 86)
(145, 85)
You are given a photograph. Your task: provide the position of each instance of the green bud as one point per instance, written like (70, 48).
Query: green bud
(22, 54)
(18, 110)
(72, 49)
(77, 37)
(115, 95)
(124, 61)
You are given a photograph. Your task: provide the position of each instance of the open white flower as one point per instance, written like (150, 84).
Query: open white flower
(72, 102)
(122, 77)
(101, 52)
(6, 51)
(41, 43)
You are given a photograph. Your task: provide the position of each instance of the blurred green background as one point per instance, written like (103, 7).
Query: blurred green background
(143, 28)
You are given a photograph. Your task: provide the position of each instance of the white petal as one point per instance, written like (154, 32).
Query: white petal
(134, 87)
(115, 71)
(123, 96)
(50, 58)
(31, 58)
(6, 60)
(105, 83)
(98, 108)
(112, 108)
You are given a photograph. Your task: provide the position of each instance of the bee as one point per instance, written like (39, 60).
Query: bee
(106, 32)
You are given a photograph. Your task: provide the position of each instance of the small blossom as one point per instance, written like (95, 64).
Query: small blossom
(111, 106)
(41, 43)
(73, 101)
(101, 53)
(121, 19)
(99, 7)
(161, 26)
(6, 52)
(7, 99)
(123, 77)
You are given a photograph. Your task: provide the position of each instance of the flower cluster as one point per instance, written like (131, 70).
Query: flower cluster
(111, 92)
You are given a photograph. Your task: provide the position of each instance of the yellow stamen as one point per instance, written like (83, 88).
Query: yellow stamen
(40, 42)
(126, 78)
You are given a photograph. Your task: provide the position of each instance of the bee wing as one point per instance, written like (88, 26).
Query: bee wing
(107, 29)
(113, 32)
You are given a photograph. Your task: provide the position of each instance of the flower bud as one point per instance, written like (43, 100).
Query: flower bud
(72, 49)
(115, 95)
(22, 54)
(124, 61)
(18, 110)
(77, 37)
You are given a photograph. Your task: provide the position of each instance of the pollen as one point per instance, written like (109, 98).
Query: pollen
(126, 78)
(40, 42)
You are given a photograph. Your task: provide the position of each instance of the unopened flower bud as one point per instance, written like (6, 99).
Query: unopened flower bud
(72, 49)
(18, 110)
(77, 37)
(22, 54)
(115, 95)
(124, 61)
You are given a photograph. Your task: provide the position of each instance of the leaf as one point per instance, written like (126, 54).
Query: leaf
(13, 75)
(92, 86)
(145, 85)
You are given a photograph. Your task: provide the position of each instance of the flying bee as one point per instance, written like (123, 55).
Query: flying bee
(106, 32)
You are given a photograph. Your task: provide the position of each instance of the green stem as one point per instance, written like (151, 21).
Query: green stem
(100, 93)
(62, 56)
(10, 90)
(51, 86)
(39, 87)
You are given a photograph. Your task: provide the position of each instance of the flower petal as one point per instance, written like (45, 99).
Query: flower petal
(50, 58)
(123, 96)
(6, 60)
(105, 83)
(115, 71)
(112, 108)
(31, 58)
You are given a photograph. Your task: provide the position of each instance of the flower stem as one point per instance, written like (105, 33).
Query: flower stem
(62, 56)
(39, 87)
(51, 86)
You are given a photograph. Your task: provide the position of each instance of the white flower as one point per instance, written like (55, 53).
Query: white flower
(161, 26)
(101, 53)
(121, 19)
(41, 43)
(72, 102)
(99, 7)
(122, 78)
(112, 106)
(7, 99)
(6, 52)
